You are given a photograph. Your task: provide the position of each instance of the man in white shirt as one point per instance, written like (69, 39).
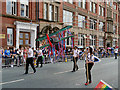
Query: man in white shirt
(116, 52)
(30, 60)
(40, 54)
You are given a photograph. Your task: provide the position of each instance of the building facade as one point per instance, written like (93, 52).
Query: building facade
(94, 23)
(19, 24)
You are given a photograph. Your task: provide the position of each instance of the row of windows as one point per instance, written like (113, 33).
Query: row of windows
(11, 6)
(68, 20)
(82, 4)
(81, 39)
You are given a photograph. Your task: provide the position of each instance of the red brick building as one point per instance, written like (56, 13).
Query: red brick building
(94, 23)
(19, 24)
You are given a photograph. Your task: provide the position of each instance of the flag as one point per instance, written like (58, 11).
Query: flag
(103, 86)
(96, 59)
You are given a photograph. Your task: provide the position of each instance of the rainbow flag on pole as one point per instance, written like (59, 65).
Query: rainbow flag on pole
(103, 86)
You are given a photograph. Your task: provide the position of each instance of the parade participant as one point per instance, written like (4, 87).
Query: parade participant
(30, 60)
(7, 55)
(14, 54)
(89, 64)
(75, 58)
(116, 52)
(21, 56)
(40, 54)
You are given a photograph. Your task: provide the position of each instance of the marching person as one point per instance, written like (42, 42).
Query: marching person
(89, 64)
(40, 54)
(75, 58)
(116, 52)
(30, 60)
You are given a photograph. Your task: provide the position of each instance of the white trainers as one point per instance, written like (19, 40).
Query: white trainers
(12, 66)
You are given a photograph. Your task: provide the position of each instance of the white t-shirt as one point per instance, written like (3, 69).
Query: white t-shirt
(90, 58)
(21, 52)
(31, 53)
(40, 51)
(75, 53)
(116, 50)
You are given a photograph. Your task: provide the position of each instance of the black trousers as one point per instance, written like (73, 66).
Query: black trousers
(90, 65)
(115, 55)
(39, 60)
(30, 61)
(75, 67)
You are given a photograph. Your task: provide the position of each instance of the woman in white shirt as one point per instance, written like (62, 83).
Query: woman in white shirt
(90, 62)
(75, 58)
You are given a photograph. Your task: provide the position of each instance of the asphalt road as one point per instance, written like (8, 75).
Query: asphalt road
(59, 75)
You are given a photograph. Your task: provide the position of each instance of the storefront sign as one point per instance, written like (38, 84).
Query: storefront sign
(2, 36)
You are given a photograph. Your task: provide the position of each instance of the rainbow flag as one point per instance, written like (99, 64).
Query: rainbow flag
(103, 86)
(0, 53)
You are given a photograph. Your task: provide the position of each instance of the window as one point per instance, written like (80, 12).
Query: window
(56, 13)
(51, 12)
(113, 42)
(108, 26)
(93, 7)
(84, 4)
(67, 17)
(9, 36)
(70, 1)
(92, 40)
(21, 35)
(114, 29)
(102, 11)
(80, 3)
(93, 24)
(68, 40)
(101, 26)
(111, 3)
(21, 42)
(114, 6)
(99, 10)
(11, 7)
(45, 10)
(81, 21)
(101, 42)
(24, 8)
(81, 40)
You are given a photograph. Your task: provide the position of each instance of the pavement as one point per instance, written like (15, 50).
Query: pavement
(59, 75)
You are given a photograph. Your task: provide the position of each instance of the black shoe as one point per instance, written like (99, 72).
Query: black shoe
(34, 71)
(90, 81)
(36, 67)
(25, 73)
(73, 71)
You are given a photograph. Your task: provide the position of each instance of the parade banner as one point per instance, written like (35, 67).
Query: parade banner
(103, 86)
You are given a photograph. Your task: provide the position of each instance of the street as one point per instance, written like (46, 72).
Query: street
(59, 75)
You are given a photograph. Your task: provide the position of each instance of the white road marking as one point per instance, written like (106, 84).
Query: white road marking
(11, 81)
(66, 71)
(81, 68)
